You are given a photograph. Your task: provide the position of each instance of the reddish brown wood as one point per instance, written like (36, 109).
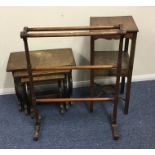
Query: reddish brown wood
(129, 77)
(73, 99)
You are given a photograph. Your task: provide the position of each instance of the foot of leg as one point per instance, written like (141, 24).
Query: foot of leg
(115, 132)
(114, 127)
(37, 129)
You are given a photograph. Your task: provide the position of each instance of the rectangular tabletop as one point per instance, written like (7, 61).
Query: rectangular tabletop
(128, 22)
(41, 59)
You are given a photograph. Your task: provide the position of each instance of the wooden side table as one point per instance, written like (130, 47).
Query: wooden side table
(130, 26)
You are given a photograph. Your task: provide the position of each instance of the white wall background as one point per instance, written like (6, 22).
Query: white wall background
(13, 19)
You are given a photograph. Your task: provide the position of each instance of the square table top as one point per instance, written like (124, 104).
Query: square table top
(128, 22)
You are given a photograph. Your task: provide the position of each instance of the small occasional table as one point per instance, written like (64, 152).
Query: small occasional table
(40, 59)
(130, 26)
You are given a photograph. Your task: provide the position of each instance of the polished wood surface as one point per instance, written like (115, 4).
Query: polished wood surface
(84, 67)
(110, 57)
(127, 21)
(41, 59)
(44, 78)
(73, 99)
(39, 73)
(70, 28)
(72, 34)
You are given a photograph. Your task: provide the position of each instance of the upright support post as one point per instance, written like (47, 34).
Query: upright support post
(37, 115)
(116, 96)
(123, 77)
(131, 61)
(91, 72)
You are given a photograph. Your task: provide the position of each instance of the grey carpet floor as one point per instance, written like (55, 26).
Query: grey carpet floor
(78, 128)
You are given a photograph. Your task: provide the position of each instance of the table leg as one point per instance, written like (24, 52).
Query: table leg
(126, 47)
(37, 123)
(116, 96)
(26, 101)
(122, 85)
(91, 73)
(129, 78)
(70, 85)
(61, 94)
(18, 92)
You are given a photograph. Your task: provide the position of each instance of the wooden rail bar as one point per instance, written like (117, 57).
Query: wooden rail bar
(73, 99)
(72, 34)
(72, 28)
(76, 67)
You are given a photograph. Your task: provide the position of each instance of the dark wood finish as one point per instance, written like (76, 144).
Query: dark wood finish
(129, 77)
(90, 106)
(18, 90)
(131, 28)
(110, 32)
(127, 21)
(17, 65)
(44, 78)
(110, 57)
(123, 76)
(34, 109)
(116, 96)
(115, 132)
(41, 59)
(22, 73)
(37, 128)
